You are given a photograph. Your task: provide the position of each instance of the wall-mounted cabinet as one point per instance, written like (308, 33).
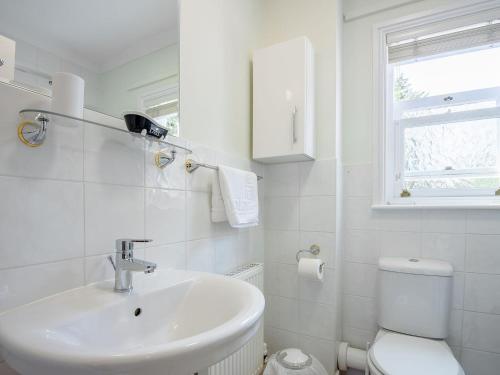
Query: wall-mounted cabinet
(283, 102)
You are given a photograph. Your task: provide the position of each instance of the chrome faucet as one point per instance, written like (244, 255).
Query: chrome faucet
(125, 264)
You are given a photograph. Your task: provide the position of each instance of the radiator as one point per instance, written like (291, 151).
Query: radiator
(249, 359)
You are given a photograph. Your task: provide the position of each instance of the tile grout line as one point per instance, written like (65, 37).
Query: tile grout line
(186, 219)
(299, 235)
(84, 207)
(84, 181)
(56, 261)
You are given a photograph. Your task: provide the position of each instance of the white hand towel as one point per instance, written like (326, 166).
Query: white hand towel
(218, 208)
(240, 195)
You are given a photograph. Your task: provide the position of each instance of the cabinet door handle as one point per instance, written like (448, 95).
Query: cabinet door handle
(294, 130)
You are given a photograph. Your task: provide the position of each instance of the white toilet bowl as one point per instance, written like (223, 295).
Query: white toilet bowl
(399, 354)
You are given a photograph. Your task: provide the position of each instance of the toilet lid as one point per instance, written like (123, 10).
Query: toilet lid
(398, 354)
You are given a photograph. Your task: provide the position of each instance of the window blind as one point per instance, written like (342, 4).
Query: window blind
(476, 30)
(163, 109)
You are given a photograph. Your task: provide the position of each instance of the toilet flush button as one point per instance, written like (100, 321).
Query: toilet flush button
(413, 260)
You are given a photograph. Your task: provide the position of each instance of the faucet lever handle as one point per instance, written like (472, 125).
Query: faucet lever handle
(127, 244)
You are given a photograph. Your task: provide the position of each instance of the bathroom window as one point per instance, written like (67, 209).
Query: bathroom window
(163, 106)
(441, 124)
(166, 114)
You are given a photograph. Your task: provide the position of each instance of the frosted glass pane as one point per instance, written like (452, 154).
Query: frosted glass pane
(464, 145)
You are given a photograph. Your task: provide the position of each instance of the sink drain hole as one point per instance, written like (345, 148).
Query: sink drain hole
(137, 311)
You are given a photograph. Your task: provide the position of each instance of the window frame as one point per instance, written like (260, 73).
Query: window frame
(384, 188)
(432, 102)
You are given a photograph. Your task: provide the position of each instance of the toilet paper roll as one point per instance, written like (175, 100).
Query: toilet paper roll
(68, 91)
(311, 268)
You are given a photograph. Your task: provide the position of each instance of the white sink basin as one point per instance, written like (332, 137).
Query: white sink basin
(186, 322)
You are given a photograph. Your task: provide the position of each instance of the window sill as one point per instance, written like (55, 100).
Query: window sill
(440, 204)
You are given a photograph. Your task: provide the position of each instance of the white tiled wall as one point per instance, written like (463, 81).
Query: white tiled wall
(470, 240)
(300, 210)
(63, 205)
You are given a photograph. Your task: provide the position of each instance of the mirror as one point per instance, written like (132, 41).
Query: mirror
(127, 51)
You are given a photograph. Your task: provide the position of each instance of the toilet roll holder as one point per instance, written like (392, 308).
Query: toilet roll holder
(314, 250)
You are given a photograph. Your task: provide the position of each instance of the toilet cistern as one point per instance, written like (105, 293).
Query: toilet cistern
(125, 263)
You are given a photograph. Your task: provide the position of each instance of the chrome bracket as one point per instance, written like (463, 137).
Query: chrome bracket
(33, 133)
(314, 250)
(162, 159)
(191, 165)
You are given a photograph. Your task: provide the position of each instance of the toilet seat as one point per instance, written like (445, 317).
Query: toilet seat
(398, 354)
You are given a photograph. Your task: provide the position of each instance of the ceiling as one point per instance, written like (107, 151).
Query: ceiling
(97, 34)
(355, 9)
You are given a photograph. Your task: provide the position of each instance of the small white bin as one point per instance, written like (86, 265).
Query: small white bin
(294, 362)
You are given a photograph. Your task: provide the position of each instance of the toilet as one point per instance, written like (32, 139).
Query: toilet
(414, 302)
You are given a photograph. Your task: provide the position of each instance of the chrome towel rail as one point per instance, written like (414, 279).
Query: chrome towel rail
(192, 165)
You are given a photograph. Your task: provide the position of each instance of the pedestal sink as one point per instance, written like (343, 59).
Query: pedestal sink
(172, 323)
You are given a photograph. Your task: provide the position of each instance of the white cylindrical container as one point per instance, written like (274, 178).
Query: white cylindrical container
(68, 94)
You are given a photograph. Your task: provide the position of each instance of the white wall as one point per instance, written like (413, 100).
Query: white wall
(100, 185)
(285, 19)
(467, 239)
(216, 43)
(300, 210)
(116, 191)
(64, 204)
(301, 198)
(358, 78)
(216, 76)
